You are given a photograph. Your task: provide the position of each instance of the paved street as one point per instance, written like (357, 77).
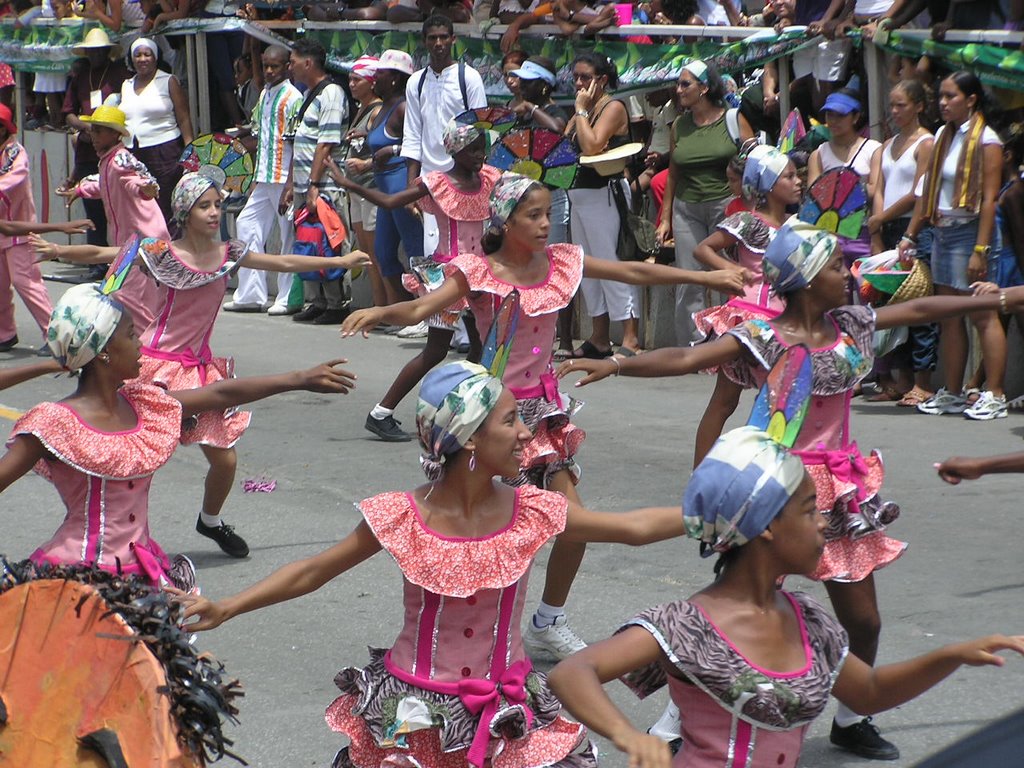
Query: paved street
(962, 576)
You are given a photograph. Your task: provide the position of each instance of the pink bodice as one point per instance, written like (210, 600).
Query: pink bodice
(103, 479)
(528, 372)
(460, 217)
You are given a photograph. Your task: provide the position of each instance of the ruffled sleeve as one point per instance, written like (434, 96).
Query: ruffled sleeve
(749, 228)
(127, 455)
(761, 347)
(462, 567)
(459, 205)
(167, 269)
(565, 271)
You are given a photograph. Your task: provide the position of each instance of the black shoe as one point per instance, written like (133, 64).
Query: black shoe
(387, 429)
(332, 317)
(863, 739)
(11, 343)
(309, 314)
(230, 542)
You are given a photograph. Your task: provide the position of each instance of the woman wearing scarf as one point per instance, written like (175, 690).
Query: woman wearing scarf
(176, 352)
(749, 664)
(961, 190)
(805, 267)
(101, 446)
(159, 122)
(464, 692)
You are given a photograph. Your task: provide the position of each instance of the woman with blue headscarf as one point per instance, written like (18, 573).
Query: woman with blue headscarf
(101, 446)
(749, 664)
(805, 268)
(463, 690)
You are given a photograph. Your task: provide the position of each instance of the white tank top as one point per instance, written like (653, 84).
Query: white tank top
(150, 114)
(898, 174)
(861, 161)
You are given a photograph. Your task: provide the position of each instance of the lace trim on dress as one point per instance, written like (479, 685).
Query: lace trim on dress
(749, 228)
(167, 269)
(462, 567)
(459, 205)
(126, 455)
(565, 272)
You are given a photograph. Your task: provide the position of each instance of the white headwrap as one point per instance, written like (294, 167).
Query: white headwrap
(144, 42)
(81, 325)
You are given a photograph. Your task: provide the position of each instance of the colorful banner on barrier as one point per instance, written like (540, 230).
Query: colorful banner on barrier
(640, 65)
(42, 47)
(994, 66)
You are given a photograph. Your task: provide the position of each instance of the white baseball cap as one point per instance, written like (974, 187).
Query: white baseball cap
(400, 61)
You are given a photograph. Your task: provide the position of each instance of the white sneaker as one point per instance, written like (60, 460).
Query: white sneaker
(987, 407)
(943, 402)
(279, 310)
(557, 640)
(417, 331)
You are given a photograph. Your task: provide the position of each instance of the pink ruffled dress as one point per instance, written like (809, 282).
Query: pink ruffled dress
(460, 221)
(848, 483)
(176, 347)
(753, 234)
(529, 372)
(735, 713)
(103, 478)
(457, 688)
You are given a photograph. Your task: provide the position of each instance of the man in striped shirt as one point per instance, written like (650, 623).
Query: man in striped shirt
(273, 114)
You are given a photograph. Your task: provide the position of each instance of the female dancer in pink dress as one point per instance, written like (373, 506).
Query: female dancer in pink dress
(518, 258)
(460, 201)
(456, 688)
(805, 267)
(101, 446)
(749, 664)
(176, 352)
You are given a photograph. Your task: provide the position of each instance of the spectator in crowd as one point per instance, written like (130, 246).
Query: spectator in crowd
(507, 11)
(702, 142)
(433, 96)
(17, 261)
(960, 194)
(359, 163)
(458, 11)
(159, 122)
(819, 68)
(385, 139)
(51, 85)
(115, 15)
(317, 135)
(358, 10)
(94, 79)
(274, 112)
(247, 85)
(509, 62)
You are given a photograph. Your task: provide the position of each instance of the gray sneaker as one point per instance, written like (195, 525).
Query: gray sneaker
(557, 639)
(943, 402)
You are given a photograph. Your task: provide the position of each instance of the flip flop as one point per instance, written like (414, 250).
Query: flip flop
(588, 351)
(627, 352)
(561, 355)
(887, 395)
(914, 398)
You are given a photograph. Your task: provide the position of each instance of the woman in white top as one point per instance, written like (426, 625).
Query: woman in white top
(156, 108)
(959, 201)
(904, 161)
(847, 148)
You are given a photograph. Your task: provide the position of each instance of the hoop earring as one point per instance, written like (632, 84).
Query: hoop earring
(472, 460)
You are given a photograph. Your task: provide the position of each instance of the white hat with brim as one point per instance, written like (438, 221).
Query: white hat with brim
(96, 38)
(614, 160)
(400, 61)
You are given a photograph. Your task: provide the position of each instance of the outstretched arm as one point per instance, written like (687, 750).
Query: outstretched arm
(578, 683)
(326, 378)
(291, 581)
(22, 228)
(79, 254)
(866, 690)
(636, 527)
(641, 273)
(292, 262)
(10, 377)
(667, 361)
(959, 468)
(397, 200)
(932, 308)
(407, 312)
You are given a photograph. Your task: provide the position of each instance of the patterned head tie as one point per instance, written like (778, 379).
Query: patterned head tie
(796, 255)
(187, 192)
(698, 69)
(458, 136)
(506, 195)
(81, 325)
(763, 168)
(454, 401)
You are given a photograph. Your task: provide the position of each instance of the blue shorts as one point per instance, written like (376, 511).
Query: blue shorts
(952, 247)
(1004, 271)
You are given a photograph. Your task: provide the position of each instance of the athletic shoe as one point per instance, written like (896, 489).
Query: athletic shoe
(864, 739)
(235, 306)
(943, 402)
(387, 429)
(278, 310)
(309, 314)
(417, 331)
(557, 639)
(230, 542)
(987, 407)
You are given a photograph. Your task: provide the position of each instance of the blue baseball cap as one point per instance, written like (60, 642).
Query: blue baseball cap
(841, 103)
(531, 70)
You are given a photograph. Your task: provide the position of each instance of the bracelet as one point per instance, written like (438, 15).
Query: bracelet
(583, 112)
(909, 238)
(396, 149)
(1003, 309)
(983, 250)
(532, 111)
(618, 368)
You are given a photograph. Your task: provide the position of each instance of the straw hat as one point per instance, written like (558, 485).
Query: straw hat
(614, 160)
(96, 38)
(108, 117)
